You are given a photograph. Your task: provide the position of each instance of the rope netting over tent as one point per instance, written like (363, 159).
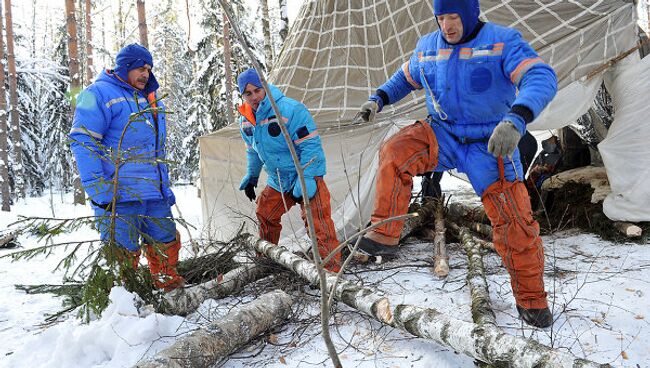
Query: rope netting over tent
(339, 51)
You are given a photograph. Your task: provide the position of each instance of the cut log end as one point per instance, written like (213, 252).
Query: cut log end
(628, 229)
(383, 311)
(441, 266)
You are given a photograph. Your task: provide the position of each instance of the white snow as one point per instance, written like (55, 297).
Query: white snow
(599, 293)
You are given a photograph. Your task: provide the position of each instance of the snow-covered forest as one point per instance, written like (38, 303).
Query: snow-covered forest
(247, 303)
(186, 39)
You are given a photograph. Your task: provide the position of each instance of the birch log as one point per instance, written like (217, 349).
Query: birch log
(206, 347)
(441, 260)
(628, 229)
(457, 210)
(184, 301)
(425, 216)
(486, 343)
(8, 241)
(482, 243)
(482, 312)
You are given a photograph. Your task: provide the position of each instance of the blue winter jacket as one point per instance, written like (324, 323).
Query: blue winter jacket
(494, 75)
(266, 146)
(101, 116)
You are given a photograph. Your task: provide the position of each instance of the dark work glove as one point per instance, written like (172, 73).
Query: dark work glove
(106, 207)
(250, 191)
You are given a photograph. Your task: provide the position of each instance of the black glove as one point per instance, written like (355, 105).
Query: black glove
(106, 207)
(250, 191)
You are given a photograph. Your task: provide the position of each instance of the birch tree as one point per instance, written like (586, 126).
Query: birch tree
(142, 24)
(4, 146)
(73, 65)
(284, 21)
(266, 29)
(13, 105)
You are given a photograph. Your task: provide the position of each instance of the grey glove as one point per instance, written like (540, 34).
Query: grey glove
(367, 112)
(504, 139)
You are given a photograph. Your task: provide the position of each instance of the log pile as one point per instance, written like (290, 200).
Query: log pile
(484, 342)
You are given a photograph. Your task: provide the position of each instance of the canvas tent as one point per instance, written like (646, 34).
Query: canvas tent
(339, 51)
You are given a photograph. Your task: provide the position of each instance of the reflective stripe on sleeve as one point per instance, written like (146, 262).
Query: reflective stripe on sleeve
(407, 74)
(523, 67)
(87, 132)
(311, 135)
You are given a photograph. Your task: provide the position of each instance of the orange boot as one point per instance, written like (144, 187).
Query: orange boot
(162, 264)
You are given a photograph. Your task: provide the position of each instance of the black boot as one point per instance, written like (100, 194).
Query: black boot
(373, 248)
(536, 317)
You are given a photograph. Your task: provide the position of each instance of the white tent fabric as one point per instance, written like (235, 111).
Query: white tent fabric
(339, 51)
(625, 150)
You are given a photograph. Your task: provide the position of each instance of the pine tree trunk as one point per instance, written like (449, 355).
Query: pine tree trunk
(142, 24)
(206, 347)
(228, 69)
(89, 46)
(19, 177)
(184, 301)
(483, 342)
(266, 29)
(75, 82)
(4, 141)
(284, 21)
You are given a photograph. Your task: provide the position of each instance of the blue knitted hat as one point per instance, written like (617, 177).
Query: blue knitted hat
(248, 76)
(132, 57)
(468, 10)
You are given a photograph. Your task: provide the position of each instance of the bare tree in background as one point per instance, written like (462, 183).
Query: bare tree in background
(4, 145)
(75, 81)
(284, 21)
(266, 29)
(189, 23)
(228, 68)
(142, 24)
(13, 104)
(120, 27)
(89, 46)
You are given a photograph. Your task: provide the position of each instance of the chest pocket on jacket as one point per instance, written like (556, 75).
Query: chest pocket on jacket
(479, 74)
(481, 64)
(273, 127)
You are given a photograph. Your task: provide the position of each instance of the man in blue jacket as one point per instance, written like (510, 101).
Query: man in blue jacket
(120, 155)
(483, 84)
(266, 147)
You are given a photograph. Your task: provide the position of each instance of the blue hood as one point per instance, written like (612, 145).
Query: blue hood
(132, 57)
(468, 10)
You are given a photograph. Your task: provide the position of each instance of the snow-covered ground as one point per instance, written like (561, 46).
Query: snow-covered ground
(600, 294)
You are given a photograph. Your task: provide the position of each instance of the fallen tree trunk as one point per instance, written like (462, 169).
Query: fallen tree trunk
(425, 216)
(628, 229)
(8, 241)
(207, 346)
(482, 243)
(485, 343)
(461, 211)
(482, 312)
(183, 301)
(441, 260)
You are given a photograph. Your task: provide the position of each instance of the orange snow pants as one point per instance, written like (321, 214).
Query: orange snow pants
(411, 151)
(516, 238)
(271, 207)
